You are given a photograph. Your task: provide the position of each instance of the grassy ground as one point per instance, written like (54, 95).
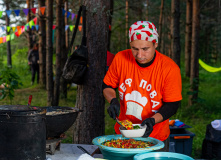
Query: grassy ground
(198, 116)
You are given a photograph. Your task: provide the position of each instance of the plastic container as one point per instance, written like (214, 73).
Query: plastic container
(22, 133)
(111, 153)
(161, 156)
(183, 140)
(133, 133)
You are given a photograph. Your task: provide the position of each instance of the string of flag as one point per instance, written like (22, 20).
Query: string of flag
(30, 25)
(33, 10)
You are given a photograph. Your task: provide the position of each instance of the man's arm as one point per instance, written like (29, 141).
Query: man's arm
(167, 110)
(109, 94)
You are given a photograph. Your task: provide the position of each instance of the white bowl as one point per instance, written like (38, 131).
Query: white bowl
(133, 133)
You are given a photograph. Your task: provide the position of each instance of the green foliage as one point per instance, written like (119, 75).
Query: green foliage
(20, 56)
(10, 80)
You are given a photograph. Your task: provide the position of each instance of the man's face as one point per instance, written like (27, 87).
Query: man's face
(143, 51)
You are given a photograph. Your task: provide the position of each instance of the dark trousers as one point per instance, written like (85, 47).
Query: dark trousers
(34, 71)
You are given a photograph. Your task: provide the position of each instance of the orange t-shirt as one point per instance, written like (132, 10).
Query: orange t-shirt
(142, 90)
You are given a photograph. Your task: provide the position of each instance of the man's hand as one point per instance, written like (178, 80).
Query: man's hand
(114, 109)
(150, 122)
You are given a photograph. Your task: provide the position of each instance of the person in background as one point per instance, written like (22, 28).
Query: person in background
(76, 47)
(148, 82)
(33, 61)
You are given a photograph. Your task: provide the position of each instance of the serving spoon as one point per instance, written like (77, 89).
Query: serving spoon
(120, 123)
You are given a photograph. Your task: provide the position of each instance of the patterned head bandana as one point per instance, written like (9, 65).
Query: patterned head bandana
(143, 30)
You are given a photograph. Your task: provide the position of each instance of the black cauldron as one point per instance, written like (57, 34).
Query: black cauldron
(59, 119)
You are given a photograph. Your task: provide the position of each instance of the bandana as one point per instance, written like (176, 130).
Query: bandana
(143, 30)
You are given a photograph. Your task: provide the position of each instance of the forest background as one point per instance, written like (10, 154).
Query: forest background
(201, 99)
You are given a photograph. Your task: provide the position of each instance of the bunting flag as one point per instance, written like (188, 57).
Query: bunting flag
(66, 27)
(53, 27)
(18, 27)
(26, 10)
(8, 12)
(37, 27)
(33, 10)
(31, 23)
(13, 28)
(17, 12)
(72, 16)
(22, 29)
(109, 27)
(1, 14)
(1, 40)
(42, 9)
(16, 33)
(71, 27)
(8, 28)
(35, 20)
(12, 36)
(68, 14)
(3, 28)
(4, 39)
(63, 12)
(8, 38)
(80, 27)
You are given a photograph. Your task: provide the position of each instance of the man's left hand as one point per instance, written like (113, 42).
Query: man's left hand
(150, 122)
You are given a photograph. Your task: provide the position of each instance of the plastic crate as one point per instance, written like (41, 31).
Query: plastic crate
(183, 140)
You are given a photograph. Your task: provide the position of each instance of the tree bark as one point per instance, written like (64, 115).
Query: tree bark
(126, 24)
(58, 51)
(49, 52)
(160, 26)
(30, 41)
(188, 36)
(110, 23)
(147, 10)
(9, 56)
(175, 31)
(194, 74)
(90, 123)
(42, 45)
(64, 51)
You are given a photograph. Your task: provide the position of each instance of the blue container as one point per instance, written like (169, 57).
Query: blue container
(111, 153)
(183, 141)
(161, 156)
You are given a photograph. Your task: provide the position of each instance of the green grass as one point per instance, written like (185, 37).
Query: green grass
(197, 116)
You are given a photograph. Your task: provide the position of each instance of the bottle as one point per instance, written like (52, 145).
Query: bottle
(172, 147)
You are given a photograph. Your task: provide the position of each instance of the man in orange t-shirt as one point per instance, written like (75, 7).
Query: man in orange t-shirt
(148, 82)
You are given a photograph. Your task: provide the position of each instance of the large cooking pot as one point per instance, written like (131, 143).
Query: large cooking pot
(111, 153)
(22, 133)
(59, 119)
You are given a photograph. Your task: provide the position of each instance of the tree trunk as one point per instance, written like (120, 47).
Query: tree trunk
(49, 52)
(42, 45)
(58, 51)
(30, 41)
(90, 123)
(160, 26)
(110, 23)
(188, 36)
(194, 73)
(175, 31)
(64, 51)
(147, 11)
(126, 27)
(9, 56)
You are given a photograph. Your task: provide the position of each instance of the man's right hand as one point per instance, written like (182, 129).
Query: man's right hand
(114, 108)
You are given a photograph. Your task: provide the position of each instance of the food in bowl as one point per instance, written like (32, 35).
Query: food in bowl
(132, 133)
(127, 124)
(127, 143)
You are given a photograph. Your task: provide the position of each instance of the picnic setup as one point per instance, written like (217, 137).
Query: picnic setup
(110, 80)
